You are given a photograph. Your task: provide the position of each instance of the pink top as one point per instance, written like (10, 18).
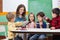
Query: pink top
(31, 25)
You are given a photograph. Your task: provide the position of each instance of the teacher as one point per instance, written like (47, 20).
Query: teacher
(20, 16)
(20, 13)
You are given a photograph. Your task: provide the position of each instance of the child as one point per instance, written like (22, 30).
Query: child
(55, 22)
(39, 24)
(31, 19)
(31, 24)
(11, 26)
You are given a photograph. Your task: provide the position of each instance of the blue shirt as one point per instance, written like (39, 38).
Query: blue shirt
(43, 26)
(18, 19)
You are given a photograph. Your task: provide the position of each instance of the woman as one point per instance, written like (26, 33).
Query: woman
(20, 16)
(20, 13)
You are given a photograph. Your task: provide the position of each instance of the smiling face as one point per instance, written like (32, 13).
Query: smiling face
(21, 10)
(55, 12)
(54, 15)
(31, 17)
(39, 18)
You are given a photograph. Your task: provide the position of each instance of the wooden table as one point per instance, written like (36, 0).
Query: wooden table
(37, 30)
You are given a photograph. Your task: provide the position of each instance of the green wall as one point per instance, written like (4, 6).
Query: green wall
(36, 6)
(3, 19)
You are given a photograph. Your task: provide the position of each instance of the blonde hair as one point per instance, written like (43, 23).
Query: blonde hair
(10, 16)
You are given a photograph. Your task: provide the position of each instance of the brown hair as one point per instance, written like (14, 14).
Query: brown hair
(17, 11)
(56, 11)
(29, 18)
(41, 14)
(9, 16)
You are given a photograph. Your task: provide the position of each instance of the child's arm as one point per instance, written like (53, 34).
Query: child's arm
(52, 28)
(35, 26)
(47, 19)
(11, 27)
(26, 26)
(41, 25)
(58, 24)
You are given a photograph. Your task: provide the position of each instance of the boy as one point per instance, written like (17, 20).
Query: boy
(39, 24)
(55, 22)
(11, 26)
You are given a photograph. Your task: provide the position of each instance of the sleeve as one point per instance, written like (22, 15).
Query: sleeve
(48, 20)
(44, 25)
(11, 27)
(58, 24)
(27, 26)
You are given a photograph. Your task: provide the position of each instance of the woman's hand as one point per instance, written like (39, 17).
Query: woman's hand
(52, 28)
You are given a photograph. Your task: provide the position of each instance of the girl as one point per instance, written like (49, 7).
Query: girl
(31, 24)
(31, 19)
(39, 24)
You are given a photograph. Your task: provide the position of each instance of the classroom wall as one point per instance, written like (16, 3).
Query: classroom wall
(11, 5)
(36, 6)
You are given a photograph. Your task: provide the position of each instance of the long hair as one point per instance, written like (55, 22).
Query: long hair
(17, 10)
(29, 18)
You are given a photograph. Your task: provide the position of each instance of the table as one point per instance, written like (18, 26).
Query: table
(37, 30)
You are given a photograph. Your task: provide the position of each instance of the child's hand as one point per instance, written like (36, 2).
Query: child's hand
(45, 17)
(41, 24)
(52, 28)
